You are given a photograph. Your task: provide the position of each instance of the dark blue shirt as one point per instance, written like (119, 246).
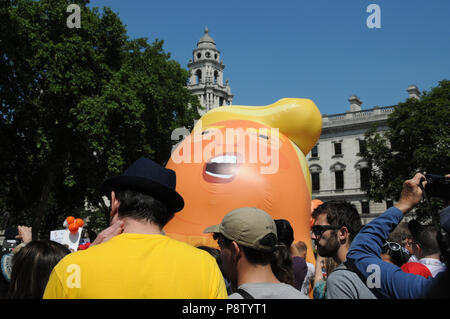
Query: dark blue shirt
(384, 279)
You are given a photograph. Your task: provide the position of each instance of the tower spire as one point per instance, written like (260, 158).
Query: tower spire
(206, 80)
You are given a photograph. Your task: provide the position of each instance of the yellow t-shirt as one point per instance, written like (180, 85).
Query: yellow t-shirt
(137, 266)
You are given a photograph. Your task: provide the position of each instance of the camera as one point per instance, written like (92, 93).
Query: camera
(399, 255)
(437, 186)
(10, 240)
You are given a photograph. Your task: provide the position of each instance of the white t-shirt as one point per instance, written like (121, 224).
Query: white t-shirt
(308, 278)
(434, 265)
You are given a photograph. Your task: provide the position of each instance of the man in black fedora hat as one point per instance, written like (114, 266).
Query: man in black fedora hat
(140, 262)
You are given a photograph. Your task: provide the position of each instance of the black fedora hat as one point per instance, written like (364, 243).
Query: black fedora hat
(147, 177)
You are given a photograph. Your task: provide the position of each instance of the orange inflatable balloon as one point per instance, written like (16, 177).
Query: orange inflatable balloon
(79, 222)
(314, 204)
(73, 228)
(240, 156)
(70, 220)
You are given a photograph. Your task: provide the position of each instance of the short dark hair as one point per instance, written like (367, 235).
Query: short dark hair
(31, 268)
(143, 207)
(254, 256)
(259, 257)
(425, 236)
(340, 213)
(400, 233)
(279, 259)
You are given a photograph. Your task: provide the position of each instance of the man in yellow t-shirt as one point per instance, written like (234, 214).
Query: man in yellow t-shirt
(140, 262)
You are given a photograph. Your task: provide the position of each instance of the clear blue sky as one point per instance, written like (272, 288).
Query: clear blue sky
(317, 49)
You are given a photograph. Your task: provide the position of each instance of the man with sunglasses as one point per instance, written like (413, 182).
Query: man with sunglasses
(335, 225)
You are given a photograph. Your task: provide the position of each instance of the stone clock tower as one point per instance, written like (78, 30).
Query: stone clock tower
(206, 80)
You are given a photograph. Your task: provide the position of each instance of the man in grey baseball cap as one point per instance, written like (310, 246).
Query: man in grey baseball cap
(247, 238)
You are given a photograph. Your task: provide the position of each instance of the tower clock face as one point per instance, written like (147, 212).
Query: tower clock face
(207, 54)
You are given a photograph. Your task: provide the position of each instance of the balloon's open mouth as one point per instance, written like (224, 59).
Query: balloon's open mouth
(221, 169)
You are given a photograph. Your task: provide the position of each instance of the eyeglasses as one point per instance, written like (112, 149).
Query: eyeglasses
(318, 230)
(392, 246)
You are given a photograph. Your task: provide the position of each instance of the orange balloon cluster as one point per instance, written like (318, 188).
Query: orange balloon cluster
(73, 224)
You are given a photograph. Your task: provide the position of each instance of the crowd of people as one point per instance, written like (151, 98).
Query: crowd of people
(257, 258)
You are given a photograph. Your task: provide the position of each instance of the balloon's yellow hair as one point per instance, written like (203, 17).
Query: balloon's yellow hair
(298, 119)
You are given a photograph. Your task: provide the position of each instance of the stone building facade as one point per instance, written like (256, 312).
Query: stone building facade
(337, 169)
(206, 75)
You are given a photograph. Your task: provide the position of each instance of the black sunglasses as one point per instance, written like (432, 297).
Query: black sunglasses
(318, 230)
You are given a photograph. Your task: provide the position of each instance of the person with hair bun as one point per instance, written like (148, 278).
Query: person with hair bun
(292, 267)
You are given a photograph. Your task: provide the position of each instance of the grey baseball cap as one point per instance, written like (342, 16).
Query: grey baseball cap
(247, 226)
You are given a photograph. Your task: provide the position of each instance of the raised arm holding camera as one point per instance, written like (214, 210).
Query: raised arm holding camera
(387, 280)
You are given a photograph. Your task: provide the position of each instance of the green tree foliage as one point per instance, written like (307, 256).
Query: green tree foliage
(78, 105)
(417, 140)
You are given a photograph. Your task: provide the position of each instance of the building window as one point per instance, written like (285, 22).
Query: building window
(337, 149)
(315, 177)
(199, 76)
(389, 203)
(362, 146)
(364, 177)
(339, 177)
(365, 208)
(314, 152)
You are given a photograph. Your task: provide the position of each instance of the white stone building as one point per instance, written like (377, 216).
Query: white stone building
(337, 169)
(206, 79)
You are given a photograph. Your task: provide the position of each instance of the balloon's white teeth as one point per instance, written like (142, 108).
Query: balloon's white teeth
(224, 159)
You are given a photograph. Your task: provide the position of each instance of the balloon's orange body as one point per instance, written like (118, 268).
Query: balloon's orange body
(228, 175)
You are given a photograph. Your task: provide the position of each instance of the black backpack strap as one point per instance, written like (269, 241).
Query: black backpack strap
(244, 294)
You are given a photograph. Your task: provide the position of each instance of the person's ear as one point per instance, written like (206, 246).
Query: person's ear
(343, 233)
(419, 249)
(114, 205)
(236, 249)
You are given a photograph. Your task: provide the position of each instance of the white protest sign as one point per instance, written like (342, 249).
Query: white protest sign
(65, 237)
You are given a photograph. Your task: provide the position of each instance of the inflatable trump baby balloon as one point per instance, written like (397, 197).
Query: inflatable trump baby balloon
(246, 156)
